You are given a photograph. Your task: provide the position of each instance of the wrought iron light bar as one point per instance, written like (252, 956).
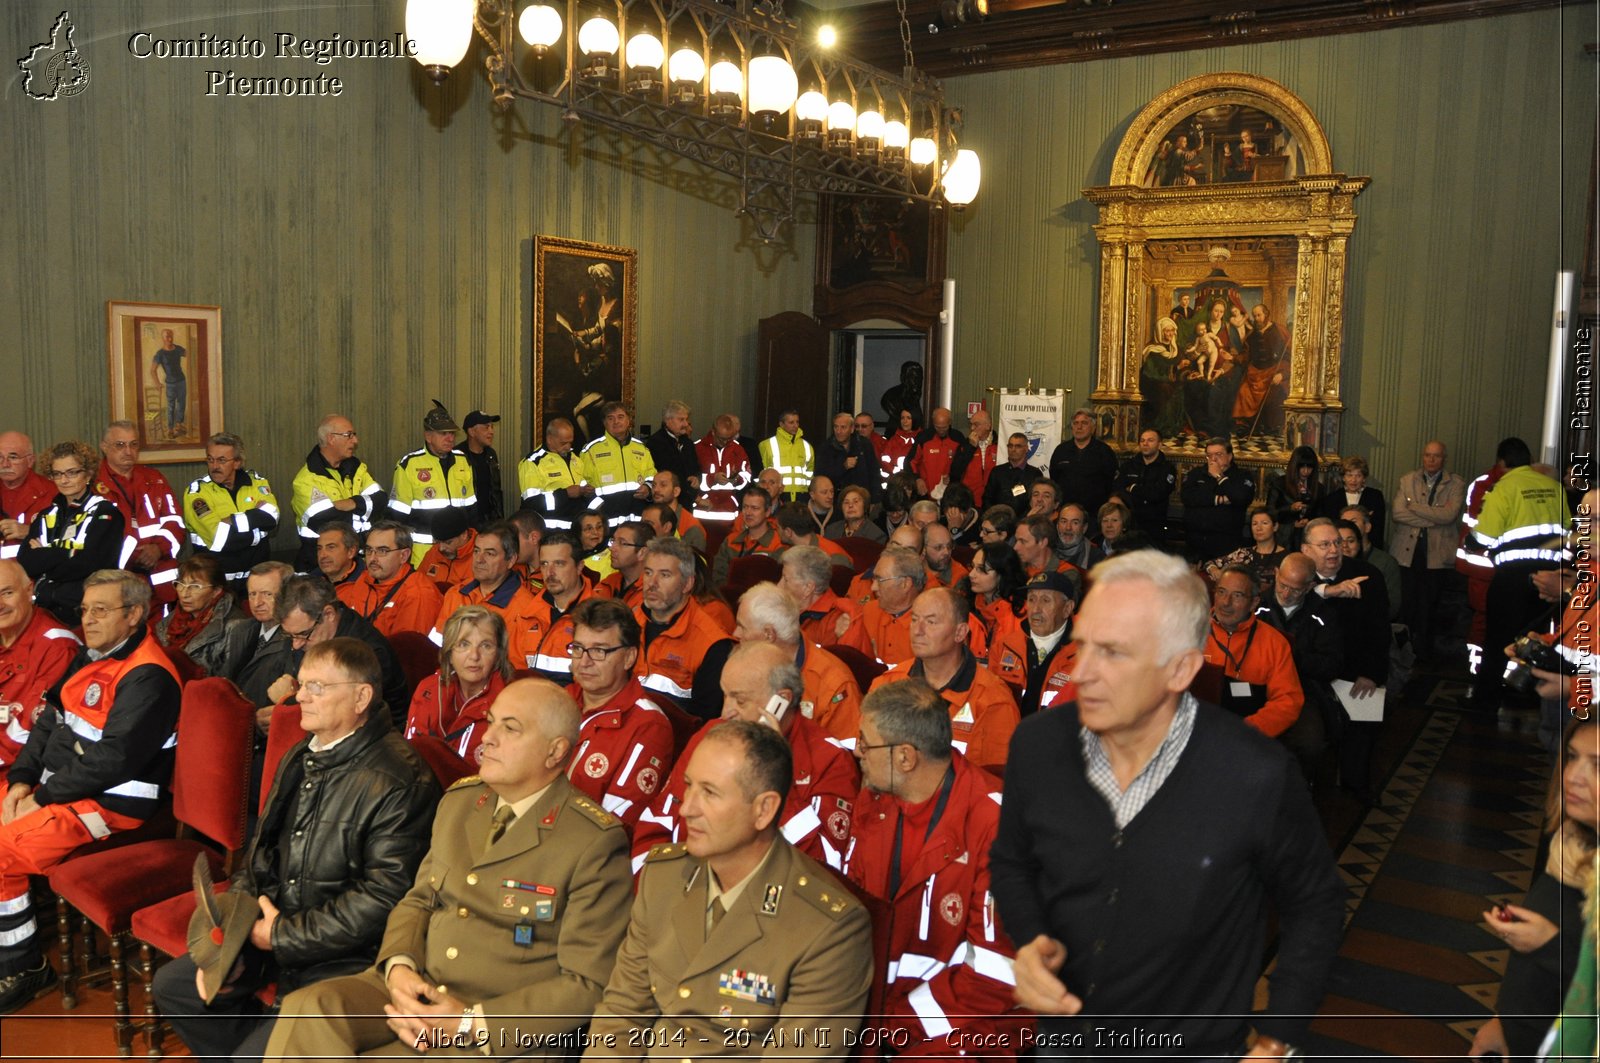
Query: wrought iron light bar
(697, 78)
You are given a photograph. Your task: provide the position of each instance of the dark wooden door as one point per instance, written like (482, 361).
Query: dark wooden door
(792, 373)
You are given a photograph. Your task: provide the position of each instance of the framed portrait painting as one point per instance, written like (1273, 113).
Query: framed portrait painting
(585, 332)
(165, 370)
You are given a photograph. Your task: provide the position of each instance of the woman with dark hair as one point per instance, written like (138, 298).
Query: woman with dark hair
(82, 532)
(855, 516)
(996, 584)
(198, 626)
(1545, 930)
(595, 542)
(1294, 495)
(1261, 557)
(453, 703)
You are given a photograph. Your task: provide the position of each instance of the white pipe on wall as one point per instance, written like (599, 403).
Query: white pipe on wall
(1555, 382)
(947, 346)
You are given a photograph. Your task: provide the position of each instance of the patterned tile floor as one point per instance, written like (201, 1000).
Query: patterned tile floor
(1455, 831)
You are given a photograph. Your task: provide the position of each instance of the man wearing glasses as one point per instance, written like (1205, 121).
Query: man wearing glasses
(24, 493)
(345, 826)
(309, 614)
(333, 486)
(1318, 649)
(148, 507)
(391, 595)
(230, 512)
(924, 821)
(625, 741)
(95, 763)
(626, 584)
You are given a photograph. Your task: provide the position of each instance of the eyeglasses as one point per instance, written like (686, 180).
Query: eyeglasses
(67, 474)
(304, 636)
(383, 551)
(194, 585)
(316, 687)
(123, 444)
(342, 435)
(885, 579)
(100, 612)
(12, 459)
(983, 568)
(594, 653)
(868, 747)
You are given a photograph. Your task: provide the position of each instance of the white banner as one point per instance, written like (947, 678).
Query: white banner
(1040, 415)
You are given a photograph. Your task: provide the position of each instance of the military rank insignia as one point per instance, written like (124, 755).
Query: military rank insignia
(769, 900)
(742, 985)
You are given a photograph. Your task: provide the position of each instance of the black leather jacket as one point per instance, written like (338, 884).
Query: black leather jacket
(362, 815)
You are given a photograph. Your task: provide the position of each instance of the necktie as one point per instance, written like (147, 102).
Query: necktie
(714, 914)
(502, 817)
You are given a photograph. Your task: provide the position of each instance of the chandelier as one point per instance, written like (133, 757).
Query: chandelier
(729, 84)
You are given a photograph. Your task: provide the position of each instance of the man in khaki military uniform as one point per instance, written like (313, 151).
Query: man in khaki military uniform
(739, 945)
(507, 937)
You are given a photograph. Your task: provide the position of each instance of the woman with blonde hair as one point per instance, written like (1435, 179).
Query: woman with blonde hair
(1546, 930)
(453, 703)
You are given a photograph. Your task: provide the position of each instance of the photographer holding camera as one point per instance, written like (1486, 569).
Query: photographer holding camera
(1562, 668)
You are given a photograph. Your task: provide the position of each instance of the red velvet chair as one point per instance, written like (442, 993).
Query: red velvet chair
(746, 572)
(839, 580)
(210, 783)
(282, 734)
(448, 766)
(419, 658)
(863, 552)
(864, 668)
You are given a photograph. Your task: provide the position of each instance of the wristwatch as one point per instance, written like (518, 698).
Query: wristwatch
(468, 1017)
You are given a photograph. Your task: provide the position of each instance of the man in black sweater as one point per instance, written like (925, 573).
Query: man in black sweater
(1142, 838)
(1215, 497)
(1084, 466)
(1146, 483)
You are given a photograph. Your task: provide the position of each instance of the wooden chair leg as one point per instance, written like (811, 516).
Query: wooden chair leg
(155, 1028)
(119, 994)
(69, 968)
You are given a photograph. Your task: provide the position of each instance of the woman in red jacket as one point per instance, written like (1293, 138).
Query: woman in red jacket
(453, 703)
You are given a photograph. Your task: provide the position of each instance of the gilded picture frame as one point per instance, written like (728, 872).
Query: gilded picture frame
(164, 368)
(585, 332)
(1224, 236)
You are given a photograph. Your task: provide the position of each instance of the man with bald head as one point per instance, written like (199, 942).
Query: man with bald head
(762, 684)
(35, 650)
(941, 456)
(982, 711)
(149, 510)
(985, 453)
(724, 471)
(333, 487)
(24, 493)
(1427, 508)
(937, 547)
(514, 921)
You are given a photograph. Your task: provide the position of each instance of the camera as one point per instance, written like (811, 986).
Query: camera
(1528, 653)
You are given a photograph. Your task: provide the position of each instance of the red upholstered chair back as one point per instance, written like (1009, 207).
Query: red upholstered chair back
(839, 580)
(746, 572)
(188, 671)
(447, 764)
(864, 668)
(864, 552)
(282, 733)
(964, 553)
(211, 775)
(419, 658)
